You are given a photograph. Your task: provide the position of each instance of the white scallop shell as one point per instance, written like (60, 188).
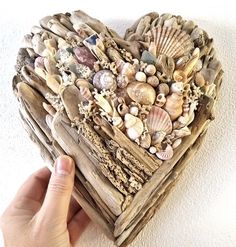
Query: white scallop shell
(172, 42)
(159, 120)
(165, 154)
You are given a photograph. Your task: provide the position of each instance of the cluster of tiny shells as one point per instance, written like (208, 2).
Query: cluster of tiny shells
(151, 98)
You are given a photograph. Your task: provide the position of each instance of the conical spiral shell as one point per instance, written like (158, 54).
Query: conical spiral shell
(172, 42)
(159, 120)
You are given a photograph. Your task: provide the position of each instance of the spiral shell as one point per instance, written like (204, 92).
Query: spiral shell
(173, 106)
(165, 154)
(104, 79)
(159, 120)
(142, 93)
(128, 70)
(134, 126)
(172, 42)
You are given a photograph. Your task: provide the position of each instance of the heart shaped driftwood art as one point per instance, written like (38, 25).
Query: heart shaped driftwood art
(131, 111)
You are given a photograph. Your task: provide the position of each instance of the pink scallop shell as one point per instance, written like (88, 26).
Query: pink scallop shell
(159, 120)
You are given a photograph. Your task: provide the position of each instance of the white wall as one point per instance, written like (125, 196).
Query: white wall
(201, 211)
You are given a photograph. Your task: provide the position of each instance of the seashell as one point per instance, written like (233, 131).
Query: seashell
(68, 77)
(153, 81)
(188, 26)
(134, 110)
(122, 81)
(152, 150)
(50, 66)
(199, 79)
(83, 83)
(192, 62)
(163, 88)
(158, 120)
(150, 70)
(142, 93)
(180, 76)
(103, 103)
(104, 79)
(176, 143)
(181, 122)
(122, 109)
(53, 82)
(173, 106)
(51, 48)
(128, 70)
(185, 131)
(199, 37)
(134, 126)
(130, 120)
(172, 42)
(86, 94)
(181, 62)
(118, 122)
(165, 65)
(165, 154)
(158, 137)
(145, 140)
(148, 57)
(177, 87)
(140, 76)
(84, 56)
(160, 100)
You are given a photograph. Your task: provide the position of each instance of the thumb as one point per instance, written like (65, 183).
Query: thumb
(58, 195)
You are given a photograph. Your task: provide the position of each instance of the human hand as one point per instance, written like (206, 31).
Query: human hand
(43, 213)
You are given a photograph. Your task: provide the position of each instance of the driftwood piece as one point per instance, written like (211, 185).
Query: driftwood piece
(119, 184)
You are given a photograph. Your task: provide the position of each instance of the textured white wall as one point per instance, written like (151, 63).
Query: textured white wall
(201, 210)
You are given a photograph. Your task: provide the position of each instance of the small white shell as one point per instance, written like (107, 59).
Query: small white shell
(152, 150)
(165, 154)
(150, 70)
(145, 140)
(141, 77)
(176, 143)
(185, 131)
(177, 87)
(134, 126)
(134, 110)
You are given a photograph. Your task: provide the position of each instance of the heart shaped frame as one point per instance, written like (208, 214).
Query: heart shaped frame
(122, 176)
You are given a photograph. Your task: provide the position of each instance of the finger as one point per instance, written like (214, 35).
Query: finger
(73, 208)
(32, 192)
(57, 198)
(77, 225)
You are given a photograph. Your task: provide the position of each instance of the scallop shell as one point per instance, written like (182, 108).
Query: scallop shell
(165, 154)
(104, 79)
(141, 92)
(159, 120)
(172, 42)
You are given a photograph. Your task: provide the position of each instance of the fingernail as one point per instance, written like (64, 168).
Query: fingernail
(64, 165)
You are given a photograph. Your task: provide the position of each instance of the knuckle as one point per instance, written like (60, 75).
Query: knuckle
(59, 186)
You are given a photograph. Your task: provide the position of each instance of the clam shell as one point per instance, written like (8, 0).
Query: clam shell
(142, 93)
(159, 120)
(165, 154)
(172, 42)
(104, 79)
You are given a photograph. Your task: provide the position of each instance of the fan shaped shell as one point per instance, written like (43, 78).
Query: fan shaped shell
(159, 120)
(170, 41)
